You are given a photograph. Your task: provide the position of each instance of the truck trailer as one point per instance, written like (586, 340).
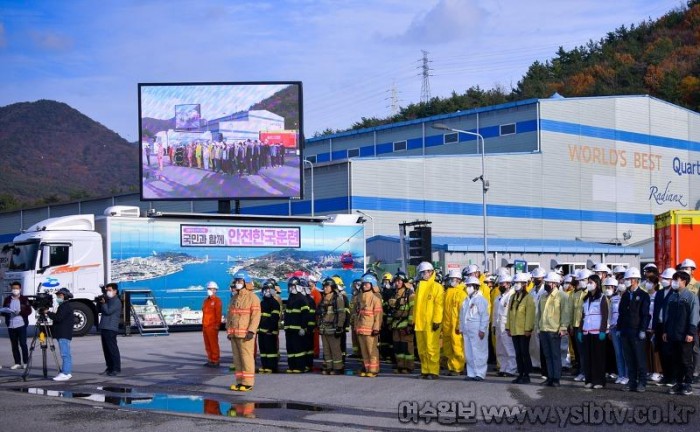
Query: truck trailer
(175, 255)
(676, 237)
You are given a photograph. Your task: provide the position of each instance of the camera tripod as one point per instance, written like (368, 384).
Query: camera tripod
(42, 333)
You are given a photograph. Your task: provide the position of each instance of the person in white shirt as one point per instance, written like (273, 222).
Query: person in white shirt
(505, 351)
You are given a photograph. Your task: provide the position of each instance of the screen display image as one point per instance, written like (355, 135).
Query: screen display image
(220, 140)
(187, 117)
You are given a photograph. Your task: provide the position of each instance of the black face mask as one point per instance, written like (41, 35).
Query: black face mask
(502, 289)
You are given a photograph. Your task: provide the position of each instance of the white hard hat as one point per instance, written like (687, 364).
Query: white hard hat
(472, 268)
(688, 263)
(539, 272)
(425, 265)
(650, 266)
(472, 280)
(454, 273)
(611, 281)
(583, 274)
(619, 269)
(668, 273)
(600, 267)
(568, 278)
(504, 278)
(633, 273)
(502, 271)
(552, 277)
(521, 278)
(212, 285)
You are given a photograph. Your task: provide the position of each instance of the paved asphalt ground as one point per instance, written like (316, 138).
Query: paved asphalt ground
(165, 388)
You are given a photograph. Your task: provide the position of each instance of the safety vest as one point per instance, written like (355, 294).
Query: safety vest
(592, 316)
(614, 310)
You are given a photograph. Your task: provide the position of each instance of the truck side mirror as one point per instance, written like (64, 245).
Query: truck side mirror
(45, 256)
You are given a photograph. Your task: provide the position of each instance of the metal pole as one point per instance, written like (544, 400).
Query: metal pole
(483, 203)
(313, 199)
(484, 182)
(371, 219)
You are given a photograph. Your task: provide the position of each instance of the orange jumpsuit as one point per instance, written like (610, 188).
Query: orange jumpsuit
(316, 295)
(211, 321)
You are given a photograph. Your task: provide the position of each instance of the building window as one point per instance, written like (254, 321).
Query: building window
(354, 153)
(399, 145)
(311, 159)
(508, 129)
(451, 138)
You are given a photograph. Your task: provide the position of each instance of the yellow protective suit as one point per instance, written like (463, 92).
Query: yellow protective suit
(428, 310)
(452, 343)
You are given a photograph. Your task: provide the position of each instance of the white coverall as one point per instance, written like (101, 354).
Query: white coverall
(565, 360)
(535, 338)
(505, 352)
(474, 318)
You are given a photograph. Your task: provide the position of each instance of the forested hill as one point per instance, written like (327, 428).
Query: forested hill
(660, 58)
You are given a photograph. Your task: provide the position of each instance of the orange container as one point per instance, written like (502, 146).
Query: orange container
(676, 237)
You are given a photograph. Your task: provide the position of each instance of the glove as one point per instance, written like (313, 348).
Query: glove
(436, 326)
(642, 335)
(375, 332)
(250, 335)
(338, 332)
(579, 337)
(302, 332)
(601, 336)
(229, 337)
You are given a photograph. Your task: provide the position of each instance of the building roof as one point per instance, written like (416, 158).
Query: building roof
(517, 245)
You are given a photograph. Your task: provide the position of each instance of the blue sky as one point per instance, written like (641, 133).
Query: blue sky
(348, 54)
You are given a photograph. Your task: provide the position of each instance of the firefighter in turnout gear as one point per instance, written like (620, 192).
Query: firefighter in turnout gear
(427, 317)
(311, 326)
(331, 318)
(340, 287)
(452, 343)
(296, 325)
(386, 345)
(354, 306)
(368, 323)
(242, 323)
(401, 310)
(268, 332)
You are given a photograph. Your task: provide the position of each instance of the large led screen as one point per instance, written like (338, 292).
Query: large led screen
(220, 141)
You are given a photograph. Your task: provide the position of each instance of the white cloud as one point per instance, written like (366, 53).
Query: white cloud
(448, 21)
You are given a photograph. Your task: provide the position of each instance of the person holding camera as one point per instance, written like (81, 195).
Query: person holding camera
(17, 322)
(110, 308)
(63, 332)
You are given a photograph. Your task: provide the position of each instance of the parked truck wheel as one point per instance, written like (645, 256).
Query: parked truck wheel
(83, 319)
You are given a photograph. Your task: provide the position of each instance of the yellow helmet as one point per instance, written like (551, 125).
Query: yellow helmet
(338, 281)
(387, 276)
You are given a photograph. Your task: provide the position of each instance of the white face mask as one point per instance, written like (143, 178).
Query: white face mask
(470, 290)
(590, 287)
(628, 283)
(109, 294)
(648, 285)
(609, 292)
(307, 290)
(675, 285)
(453, 283)
(239, 285)
(425, 275)
(518, 286)
(267, 293)
(210, 292)
(293, 289)
(15, 292)
(621, 288)
(665, 283)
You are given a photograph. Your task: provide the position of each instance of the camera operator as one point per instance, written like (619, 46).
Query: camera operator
(110, 306)
(17, 323)
(63, 331)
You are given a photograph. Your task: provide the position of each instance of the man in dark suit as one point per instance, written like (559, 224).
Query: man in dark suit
(657, 325)
(632, 324)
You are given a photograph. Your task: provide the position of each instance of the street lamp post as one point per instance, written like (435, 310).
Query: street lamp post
(484, 183)
(313, 199)
(371, 219)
